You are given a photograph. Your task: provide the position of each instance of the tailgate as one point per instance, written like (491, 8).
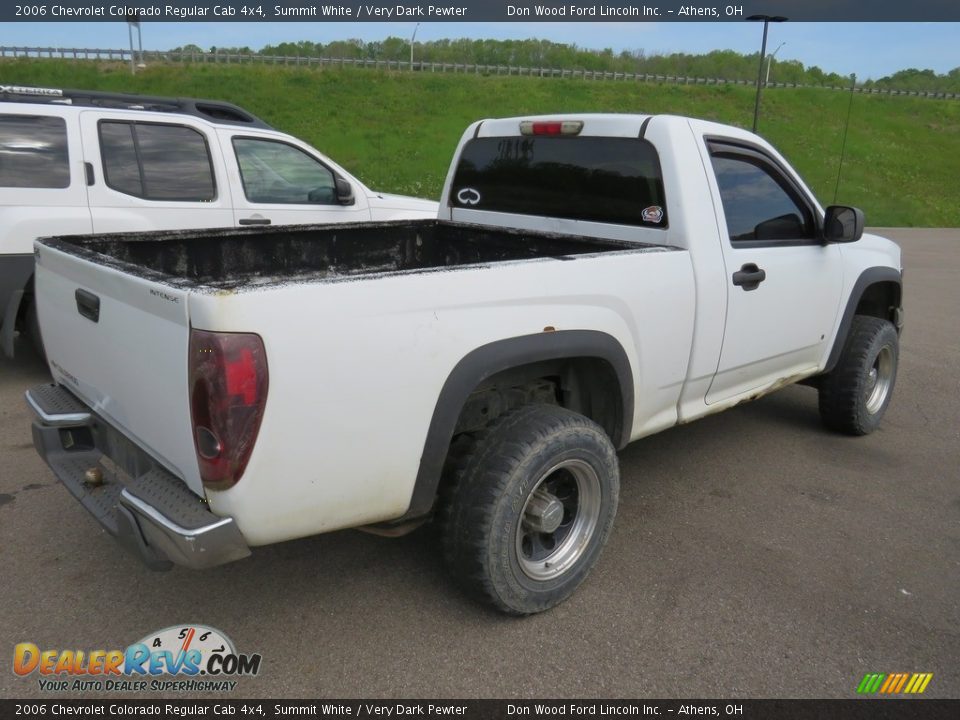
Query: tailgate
(119, 342)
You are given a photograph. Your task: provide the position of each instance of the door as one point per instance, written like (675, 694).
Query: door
(153, 175)
(275, 182)
(43, 191)
(783, 283)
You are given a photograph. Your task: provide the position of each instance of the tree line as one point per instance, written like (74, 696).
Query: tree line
(726, 64)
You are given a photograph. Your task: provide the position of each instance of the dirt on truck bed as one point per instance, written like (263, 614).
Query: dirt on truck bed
(233, 258)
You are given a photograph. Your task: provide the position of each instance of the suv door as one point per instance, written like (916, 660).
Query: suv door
(276, 181)
(153, 174)
(43, 191)
(783, 283)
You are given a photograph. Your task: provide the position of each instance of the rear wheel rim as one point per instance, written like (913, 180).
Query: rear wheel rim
(558, 520)
(879, 380)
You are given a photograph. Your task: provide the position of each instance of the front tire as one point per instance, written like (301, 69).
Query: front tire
(532, 501)
(855, 395)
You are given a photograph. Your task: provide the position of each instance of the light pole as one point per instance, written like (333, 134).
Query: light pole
(767, 19)
(412, 40)
(766, 80)
(133, 21)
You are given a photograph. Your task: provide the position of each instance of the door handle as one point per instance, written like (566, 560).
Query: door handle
(749, 277)
(254, 221)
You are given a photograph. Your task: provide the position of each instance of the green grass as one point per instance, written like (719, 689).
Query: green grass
(397, 131)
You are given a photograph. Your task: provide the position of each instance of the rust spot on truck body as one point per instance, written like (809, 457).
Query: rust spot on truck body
(714, 408)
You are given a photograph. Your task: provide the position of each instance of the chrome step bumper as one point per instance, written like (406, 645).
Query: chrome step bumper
(146, 508)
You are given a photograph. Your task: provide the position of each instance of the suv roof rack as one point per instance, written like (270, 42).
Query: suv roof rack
(215, 110)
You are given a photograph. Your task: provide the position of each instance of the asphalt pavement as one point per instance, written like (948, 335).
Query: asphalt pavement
(754, 555)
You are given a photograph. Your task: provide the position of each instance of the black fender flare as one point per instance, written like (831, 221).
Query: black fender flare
(868, 277)
(488, 360)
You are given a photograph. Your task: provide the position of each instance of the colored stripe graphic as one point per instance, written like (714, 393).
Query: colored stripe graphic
(894, 683)
(918, 683)
(870, 683)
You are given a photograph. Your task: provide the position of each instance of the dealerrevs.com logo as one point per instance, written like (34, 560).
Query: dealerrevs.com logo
(184, 658)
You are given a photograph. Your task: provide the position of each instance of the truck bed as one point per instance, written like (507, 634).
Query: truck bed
(232, 259)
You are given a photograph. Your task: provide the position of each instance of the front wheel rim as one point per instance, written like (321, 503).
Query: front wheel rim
(549, 542)
(879, 380)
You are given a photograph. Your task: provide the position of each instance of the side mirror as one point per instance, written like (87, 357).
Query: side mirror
(344, 192)
(842, 224)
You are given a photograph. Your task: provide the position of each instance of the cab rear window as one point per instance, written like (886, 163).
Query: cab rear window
(597, 179)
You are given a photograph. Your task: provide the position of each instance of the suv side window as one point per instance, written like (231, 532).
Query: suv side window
(33, 152)
(156, 161)
(275, 172)
(759, 202)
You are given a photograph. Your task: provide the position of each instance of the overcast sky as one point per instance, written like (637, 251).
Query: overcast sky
(871, 50)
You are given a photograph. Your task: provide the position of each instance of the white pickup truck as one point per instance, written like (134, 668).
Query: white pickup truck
(591, 279)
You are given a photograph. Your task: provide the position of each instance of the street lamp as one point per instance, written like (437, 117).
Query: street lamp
(412, 39)
(766, 80)
(767, 19)
(133, 21)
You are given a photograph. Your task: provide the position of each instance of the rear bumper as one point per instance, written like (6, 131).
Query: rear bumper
(147, 509)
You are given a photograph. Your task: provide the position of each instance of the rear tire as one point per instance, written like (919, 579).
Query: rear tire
(855, 395)
(530, 506)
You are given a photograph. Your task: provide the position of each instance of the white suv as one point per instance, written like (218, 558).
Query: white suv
(74, 161)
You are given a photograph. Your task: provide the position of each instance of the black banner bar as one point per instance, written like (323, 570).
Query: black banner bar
(481, 11)
(858, 709)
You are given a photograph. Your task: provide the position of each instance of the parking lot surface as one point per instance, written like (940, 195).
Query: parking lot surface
(754, 555)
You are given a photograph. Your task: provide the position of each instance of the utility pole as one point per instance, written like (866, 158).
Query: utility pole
(133, 21)
(767, 19)
(413, 39)
(133, 64)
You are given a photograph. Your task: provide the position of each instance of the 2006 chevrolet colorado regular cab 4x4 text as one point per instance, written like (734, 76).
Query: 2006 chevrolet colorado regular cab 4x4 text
(591, 280)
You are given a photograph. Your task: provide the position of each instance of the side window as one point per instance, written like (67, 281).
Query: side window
(33, 152)
(120, 167)
(157, 161)
(758, 201)
(274, 172)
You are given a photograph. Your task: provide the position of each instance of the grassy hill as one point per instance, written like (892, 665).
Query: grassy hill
(397, 131)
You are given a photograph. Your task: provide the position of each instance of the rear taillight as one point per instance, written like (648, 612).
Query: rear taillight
(228, 392)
